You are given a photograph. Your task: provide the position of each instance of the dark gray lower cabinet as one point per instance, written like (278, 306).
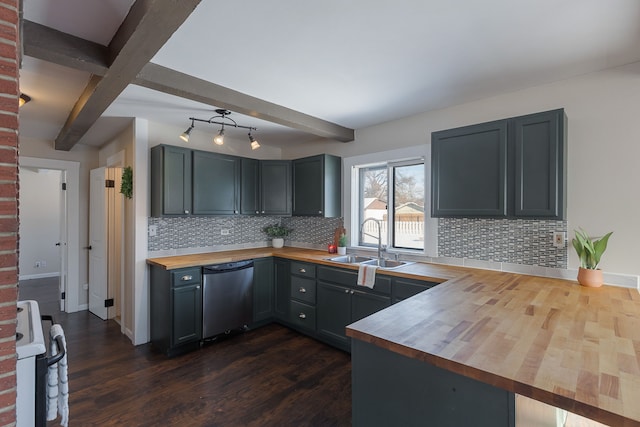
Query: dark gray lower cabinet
(341, 302)
(176, 309)
(263, 292)
(390, 389)
(281, 277)
(406, 288)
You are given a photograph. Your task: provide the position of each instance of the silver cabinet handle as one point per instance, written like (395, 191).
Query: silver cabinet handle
(198, 287)
(302, 270)
(235, 211)
(319, 212)
(351, 292)
(187, 277)
(302, 316)
(346, 291)
(302, 290)
(262, 211)
(186, 212)
(257, 212)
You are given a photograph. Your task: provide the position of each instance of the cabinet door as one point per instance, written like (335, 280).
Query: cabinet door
(317, 186)
(170, 181)
(364, 304)
(262, 289)
(281, 288)
(406, 288)
(333, 311)
(216, 184)
(539, 165)
(275, 187)
(308, 186)
(187, 314)
(249, 187)
(469, 171)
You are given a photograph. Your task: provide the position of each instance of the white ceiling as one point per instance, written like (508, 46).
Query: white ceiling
(355, 63)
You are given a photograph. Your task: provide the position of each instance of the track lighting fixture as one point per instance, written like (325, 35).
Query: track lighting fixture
(223, 115)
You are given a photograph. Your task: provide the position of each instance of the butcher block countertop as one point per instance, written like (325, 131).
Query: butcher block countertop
(548, 339)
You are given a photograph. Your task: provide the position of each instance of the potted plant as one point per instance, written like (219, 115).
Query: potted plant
(342, 244)
(589, 251)
(277, 233)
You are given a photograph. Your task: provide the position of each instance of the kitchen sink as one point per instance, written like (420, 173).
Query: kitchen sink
(387, 264)
(350, 259)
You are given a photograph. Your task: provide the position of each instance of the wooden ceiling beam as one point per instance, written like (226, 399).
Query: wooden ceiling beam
(147, 27)
(166, 80)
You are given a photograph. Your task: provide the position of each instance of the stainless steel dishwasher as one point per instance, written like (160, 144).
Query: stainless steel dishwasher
(227, 297)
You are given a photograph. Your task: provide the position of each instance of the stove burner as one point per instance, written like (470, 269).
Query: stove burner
(18, 336)
(20, 309)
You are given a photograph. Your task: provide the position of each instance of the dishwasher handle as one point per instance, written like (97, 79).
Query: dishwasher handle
(226, 267)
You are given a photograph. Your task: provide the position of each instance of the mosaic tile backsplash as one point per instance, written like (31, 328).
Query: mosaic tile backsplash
(200, 232)
(516, 241)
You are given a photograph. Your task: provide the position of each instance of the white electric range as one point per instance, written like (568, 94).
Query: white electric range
(31, 367)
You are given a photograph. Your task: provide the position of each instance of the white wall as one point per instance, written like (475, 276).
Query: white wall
(603, 149)
(40, 192)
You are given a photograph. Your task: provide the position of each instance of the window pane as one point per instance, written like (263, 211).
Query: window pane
(408, 202)
(373, 203)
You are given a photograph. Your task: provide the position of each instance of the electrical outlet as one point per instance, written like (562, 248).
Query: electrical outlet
(153, 230)
(559, 239)
(224, 232)
(37, 264)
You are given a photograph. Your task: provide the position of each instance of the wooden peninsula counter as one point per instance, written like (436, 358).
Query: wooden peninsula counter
(463, 348)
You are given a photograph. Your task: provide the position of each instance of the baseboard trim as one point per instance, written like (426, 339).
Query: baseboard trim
(38, 276)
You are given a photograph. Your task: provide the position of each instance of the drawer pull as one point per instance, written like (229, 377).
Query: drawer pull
(302, 270)
(198, 287)
(302, 290)
(187, 277)
(302, 316)
(346, 291)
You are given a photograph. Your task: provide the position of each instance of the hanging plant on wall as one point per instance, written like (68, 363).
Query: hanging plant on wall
(126, 187)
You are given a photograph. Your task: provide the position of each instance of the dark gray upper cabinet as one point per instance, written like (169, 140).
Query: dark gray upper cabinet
(469, 170)
(317, 185)
(216, 184)
(170, 181)
(510, 168)
(539, 165)
(250, 187)
(275, 187)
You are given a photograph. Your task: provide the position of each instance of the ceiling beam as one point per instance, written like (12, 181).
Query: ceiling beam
(147, 27)
(166, 80)
(60, 48)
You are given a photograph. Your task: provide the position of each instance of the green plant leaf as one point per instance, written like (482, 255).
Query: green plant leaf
(600, 246)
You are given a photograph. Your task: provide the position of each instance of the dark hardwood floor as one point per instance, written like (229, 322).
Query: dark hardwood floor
(270, 376)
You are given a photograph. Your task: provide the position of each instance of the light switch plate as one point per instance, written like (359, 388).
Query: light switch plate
(153, 230)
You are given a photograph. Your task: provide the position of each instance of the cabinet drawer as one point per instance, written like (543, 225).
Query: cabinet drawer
(303, 315)
(303, 269)
(303, 289)
(405, 288)
(350, 278)
(186, 276)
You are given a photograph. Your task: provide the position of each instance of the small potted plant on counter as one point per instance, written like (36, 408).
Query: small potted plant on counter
(590, 251)
(342, 244)
(277, 233)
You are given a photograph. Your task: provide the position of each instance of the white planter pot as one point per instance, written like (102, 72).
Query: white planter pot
(277, 242)
(342, 250)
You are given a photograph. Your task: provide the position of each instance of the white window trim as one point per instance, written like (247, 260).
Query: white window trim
(350, 201)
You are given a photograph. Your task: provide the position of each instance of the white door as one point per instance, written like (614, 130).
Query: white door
(98, 243)
(62, 240)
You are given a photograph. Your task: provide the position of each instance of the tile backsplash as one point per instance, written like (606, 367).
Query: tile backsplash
(214, 231)
(515, 241)
(526, 242)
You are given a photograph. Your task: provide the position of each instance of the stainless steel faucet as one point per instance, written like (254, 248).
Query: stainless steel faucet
(379, 237)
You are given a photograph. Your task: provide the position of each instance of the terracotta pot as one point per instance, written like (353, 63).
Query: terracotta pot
(277, 242)
(590, 278)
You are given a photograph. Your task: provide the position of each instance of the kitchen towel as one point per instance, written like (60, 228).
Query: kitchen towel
(367, 275)
(58, 380)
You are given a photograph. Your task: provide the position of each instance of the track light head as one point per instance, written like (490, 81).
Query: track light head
(186, 133)
(219, 138)
(254, 143)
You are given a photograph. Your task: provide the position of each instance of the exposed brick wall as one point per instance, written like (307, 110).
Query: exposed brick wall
(9, 29)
